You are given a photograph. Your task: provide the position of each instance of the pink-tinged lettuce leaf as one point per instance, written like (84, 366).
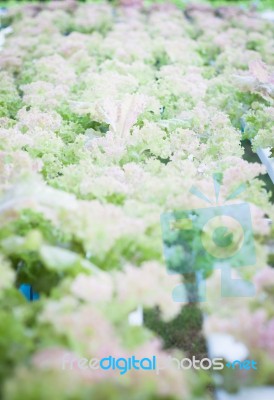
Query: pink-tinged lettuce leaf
(121, 115)
(259, 71)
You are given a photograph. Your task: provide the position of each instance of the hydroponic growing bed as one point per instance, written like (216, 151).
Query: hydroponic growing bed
(111, 117)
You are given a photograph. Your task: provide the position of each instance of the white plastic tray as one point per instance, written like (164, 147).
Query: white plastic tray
(264, 155)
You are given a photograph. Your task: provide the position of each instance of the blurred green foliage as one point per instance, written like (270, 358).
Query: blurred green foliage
(260, 4)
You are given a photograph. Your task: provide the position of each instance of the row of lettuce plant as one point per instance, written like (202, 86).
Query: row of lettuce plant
(108, 118)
